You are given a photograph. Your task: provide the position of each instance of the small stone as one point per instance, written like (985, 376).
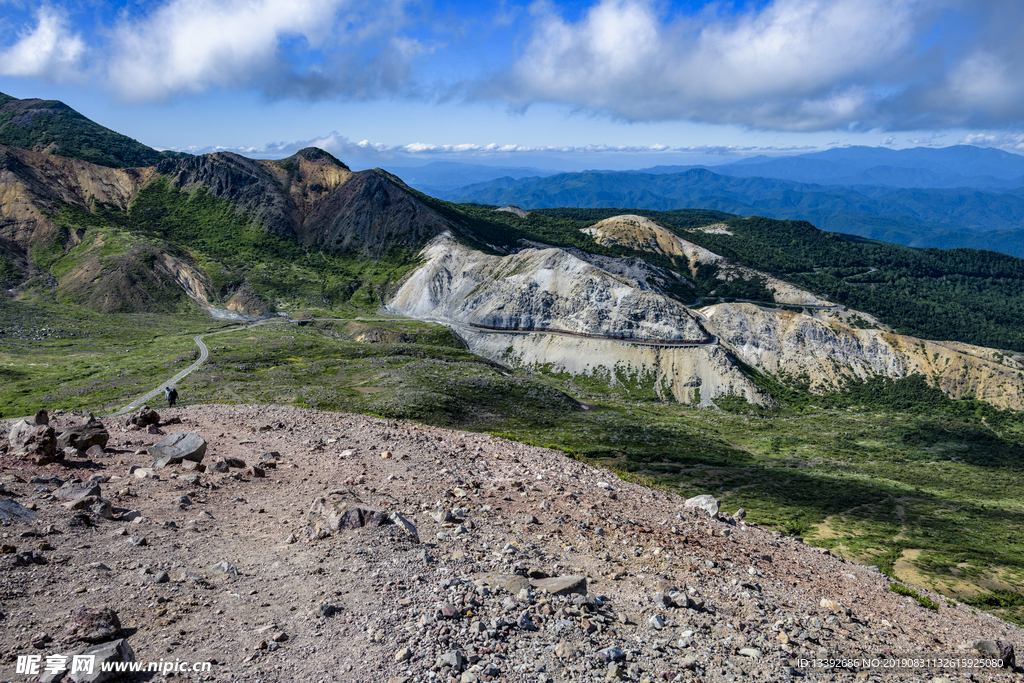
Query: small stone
(441, 516)
(223, 567)
(403, 655)
(834, 606)
(565, 650)
(525, 623)
(328, 610)
(611, 654)
(279, 637)
(455, 659)
(750, 652)
(615, 671)
(386, 455)
(657, 622)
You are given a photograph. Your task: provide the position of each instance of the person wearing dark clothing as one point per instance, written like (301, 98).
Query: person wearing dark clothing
(171, 395)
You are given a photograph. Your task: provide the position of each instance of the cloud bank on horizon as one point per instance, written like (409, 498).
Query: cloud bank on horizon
(780, 65)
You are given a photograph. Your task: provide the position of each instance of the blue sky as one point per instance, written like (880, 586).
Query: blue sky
(602, 84)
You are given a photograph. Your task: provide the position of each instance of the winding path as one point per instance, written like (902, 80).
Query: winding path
(204, 353)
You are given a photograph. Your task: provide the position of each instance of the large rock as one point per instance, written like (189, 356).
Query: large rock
(91, 625)
(13, 511)
(143, 417)
(997, 649)
(33, 441)
(327, 516)
(107, 653)
(707, 503)
(76, 490)
(84, 436)
(178, 447)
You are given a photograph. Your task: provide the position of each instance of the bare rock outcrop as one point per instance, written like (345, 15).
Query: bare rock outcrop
(539, 289)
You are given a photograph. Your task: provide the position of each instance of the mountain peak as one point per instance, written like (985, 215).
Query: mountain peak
(315, 154)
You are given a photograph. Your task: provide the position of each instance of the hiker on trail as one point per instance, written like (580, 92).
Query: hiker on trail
(172, 396)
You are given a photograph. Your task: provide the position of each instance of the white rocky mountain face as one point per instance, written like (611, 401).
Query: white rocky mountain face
(623, 306)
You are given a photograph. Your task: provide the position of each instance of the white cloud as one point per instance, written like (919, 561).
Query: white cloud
(796, 64)
(1010, 142)
(303, 48)
(50, 50)
(793, 65)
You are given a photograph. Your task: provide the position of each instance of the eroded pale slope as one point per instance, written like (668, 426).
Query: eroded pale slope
(539, 288)
(558, 289)
(825, 351)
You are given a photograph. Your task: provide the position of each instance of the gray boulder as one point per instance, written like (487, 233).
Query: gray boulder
(76, 490)
(178, 447)
(107, 653)
(84, 436)
(12, 510)
(143, 417)
(997, 649)
(707, 503)
(562, 585)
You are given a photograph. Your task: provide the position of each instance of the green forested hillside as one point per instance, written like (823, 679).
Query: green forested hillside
(52, 126)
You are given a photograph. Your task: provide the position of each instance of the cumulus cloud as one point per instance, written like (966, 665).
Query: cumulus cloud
(49, 50)
(793, 65)
(1010, 142)
(295, 48)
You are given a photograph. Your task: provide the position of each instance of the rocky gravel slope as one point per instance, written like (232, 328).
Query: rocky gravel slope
(478, 559)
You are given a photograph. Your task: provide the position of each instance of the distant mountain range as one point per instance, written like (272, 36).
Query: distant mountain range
(978, 216)
(441, 177)
(922, 167)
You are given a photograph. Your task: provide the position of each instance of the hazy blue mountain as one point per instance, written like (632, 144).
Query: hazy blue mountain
(910, 216)
(957, 166)
(440, 177)
(949, 167)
